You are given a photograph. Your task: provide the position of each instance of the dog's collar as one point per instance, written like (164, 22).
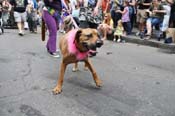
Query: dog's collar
(80, 55)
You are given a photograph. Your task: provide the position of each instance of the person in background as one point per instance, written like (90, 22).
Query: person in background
(166, 18)
(115, 5)
(107, 26)
(20, 14)
(132, 12)
(75, 13)
(66, 10)
(156, 13)
(105, 6)
(51, 12)
(172, 15)
(118, 32)
(90, 13)
(143, 5)
(40, 10)
(32, 15)
(6, 8)
(126, 18)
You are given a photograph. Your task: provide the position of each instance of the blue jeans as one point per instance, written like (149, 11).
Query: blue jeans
(154, 21)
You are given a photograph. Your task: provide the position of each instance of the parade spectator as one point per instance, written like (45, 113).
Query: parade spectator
(90, 13)
(118, 32)
(126, 18)
(66, 10)
(132, 12)
(107, 26)
(73, 4)
(166, 18)
(142, 5)
(114, 6)
(32, 15)
(75, 13)
(51, 12)
(6, 8)
(156, 13)
(105, 6)
(172, 15)
(20, 14)
(40, 10)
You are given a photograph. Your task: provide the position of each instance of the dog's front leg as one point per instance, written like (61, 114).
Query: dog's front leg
(58, 88)
(94, 74)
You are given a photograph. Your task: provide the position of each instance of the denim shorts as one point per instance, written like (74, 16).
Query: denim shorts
(154, 21)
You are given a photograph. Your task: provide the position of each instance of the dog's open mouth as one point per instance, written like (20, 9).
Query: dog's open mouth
(92, 53)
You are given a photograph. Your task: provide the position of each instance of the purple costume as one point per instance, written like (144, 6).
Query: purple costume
(50, 17)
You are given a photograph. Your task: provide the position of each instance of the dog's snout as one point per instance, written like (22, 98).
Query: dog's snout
(92, 46)
(99, 43)
(85, 44)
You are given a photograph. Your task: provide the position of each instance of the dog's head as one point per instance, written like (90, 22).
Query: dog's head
(88, 40)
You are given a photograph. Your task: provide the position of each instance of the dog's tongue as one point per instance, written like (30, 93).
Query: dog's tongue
(92, 51)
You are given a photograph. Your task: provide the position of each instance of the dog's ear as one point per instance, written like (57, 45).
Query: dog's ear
(78, 34)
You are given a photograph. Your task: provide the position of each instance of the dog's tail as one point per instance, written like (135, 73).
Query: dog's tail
(43, 30)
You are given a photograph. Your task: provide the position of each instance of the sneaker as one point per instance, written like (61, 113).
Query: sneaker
(114, 39)
(118, 40)
(55, 55)
(57, 50)
(20, 33)
(138, 33)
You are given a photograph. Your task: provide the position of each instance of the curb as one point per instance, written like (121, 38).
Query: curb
(152, 43)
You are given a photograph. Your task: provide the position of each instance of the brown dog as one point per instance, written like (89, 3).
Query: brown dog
(75, 46)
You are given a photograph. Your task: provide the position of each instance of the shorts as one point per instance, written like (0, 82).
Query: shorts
(20, 17)
(141, 15)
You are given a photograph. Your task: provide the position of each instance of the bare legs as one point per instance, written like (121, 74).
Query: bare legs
(20, 27)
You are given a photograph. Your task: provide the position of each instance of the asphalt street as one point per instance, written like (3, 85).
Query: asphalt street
(137, 81)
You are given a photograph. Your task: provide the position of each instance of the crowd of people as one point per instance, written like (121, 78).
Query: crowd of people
(110, 17)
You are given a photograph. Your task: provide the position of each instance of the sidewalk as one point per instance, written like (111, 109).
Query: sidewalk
(153, 42)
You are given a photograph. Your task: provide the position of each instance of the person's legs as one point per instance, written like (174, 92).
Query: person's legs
(52, 28)
(129, 28)
(5, 17)
(29, 20)
(149, 26)
(138, 18)
(125, 28)
(172, 20)
(156, 22)
(18, 21)
(23, 19)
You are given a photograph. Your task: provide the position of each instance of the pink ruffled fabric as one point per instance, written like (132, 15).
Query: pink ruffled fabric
(72, 48)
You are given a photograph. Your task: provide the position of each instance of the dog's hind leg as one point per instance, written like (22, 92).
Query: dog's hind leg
(85, 67)
(98, 82)
(58, 88)
(75, 67)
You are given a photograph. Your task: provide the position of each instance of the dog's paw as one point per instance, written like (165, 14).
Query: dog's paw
(98, 83)
(57, 90)
(86, 68)
(74, 69)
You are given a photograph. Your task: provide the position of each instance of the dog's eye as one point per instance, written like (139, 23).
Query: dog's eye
(89, 35)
